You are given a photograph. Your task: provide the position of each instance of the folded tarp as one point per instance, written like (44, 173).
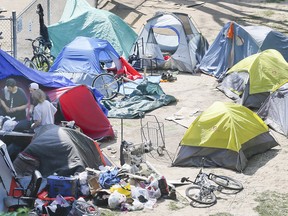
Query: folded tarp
(147, 97)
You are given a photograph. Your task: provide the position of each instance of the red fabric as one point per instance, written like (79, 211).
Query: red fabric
(85, 112)
(12, 192)
(130, 72)
(55, 94)
(166, 57)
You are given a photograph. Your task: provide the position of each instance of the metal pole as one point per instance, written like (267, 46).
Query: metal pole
(14, 34)
(96, 3)
(48, 12)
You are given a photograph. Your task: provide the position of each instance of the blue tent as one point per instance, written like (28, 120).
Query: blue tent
(235, 42)
(84, 54)
(80, 59)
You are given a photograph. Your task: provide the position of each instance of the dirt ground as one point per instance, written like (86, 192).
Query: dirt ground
(265, 172)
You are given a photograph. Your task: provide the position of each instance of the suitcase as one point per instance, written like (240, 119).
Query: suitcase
(66, 186)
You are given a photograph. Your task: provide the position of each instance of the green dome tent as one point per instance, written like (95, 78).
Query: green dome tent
(226, 135)
(80, 19)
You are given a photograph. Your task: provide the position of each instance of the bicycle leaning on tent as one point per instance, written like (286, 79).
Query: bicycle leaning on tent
(42, 59)
(108, 83)
(202, 192)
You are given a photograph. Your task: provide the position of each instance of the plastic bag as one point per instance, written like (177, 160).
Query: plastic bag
(9, 125)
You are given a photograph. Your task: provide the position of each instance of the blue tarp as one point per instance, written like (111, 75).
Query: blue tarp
(10, 66)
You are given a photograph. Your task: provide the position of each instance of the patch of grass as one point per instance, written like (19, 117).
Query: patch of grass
(268, 13)
(109, 213)
(272, 203)
(174, 206)
(274, 1)
(221, 214)
(179, 204)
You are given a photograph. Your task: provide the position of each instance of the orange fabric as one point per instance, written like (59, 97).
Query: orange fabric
(101, 155)
(230, 33)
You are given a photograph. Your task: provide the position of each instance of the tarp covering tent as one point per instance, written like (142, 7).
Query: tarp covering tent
(81, 60)
(10, 66)
(7, 175)
(274, 111)
(172, 34)
(251, 80)
(235, 42)
(79, 104)
(226, 135)
(60, 150)
(80, 19)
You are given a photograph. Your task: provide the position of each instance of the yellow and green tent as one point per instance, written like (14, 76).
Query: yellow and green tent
(251, 80)
(226, 135)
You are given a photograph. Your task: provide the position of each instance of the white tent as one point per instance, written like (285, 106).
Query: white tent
(174, 35)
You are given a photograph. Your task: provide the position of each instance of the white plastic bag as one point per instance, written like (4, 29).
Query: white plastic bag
(9, 125)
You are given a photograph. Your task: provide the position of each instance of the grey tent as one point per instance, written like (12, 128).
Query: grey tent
(60, 150)
(173, 35)
(274, 110)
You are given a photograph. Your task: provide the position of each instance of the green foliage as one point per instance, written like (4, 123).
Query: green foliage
(19, 212)
(272, 203)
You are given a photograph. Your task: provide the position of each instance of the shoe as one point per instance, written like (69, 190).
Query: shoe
(164, 76)
(171, 78)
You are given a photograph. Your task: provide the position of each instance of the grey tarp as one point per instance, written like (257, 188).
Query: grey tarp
(60, 150)
(147, 97)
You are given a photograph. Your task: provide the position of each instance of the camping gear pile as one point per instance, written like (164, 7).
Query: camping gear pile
(109, 187)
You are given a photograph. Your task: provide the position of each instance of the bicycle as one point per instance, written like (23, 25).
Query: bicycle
(42, 58)
(108, 84)
(202, 191)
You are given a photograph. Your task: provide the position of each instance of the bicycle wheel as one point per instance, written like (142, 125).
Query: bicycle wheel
(226, 182)
(29, 63)
(107, 85)
(198, 195)
(41, 62)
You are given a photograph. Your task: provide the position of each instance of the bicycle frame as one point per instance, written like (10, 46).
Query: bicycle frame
(41, 58)
(108, 84)
(203, 190)
(203, 180)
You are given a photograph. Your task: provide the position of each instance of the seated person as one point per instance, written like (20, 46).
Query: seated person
(33, 103)
(44, 111)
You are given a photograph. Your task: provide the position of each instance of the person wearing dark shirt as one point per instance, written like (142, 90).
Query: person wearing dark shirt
(14, 100)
